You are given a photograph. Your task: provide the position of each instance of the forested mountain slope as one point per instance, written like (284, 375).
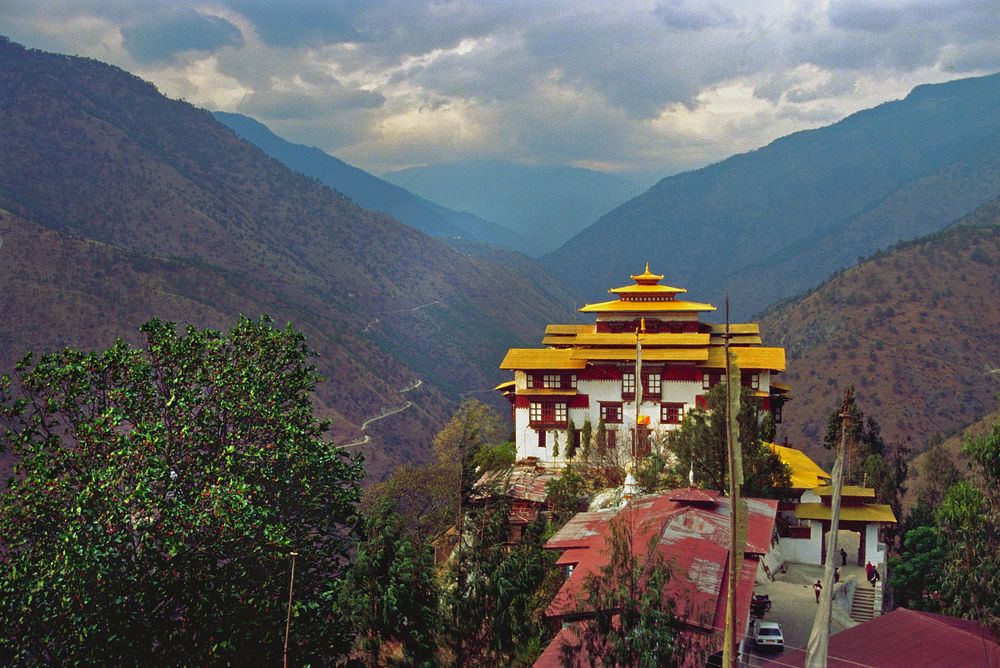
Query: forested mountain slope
(121, 204)
(771, 223)
(915, 329)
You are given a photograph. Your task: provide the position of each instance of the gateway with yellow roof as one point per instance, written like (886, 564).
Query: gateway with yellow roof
(587, 373)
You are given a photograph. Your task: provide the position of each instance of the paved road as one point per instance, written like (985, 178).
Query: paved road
(381, 416)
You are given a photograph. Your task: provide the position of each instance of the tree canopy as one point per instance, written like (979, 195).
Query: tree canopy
(700, 443)
(158, 494)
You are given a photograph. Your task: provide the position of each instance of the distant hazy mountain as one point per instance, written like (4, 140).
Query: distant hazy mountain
(773, 222)
(370, 191)
(915, 329)
(547, 204)
(118, 204)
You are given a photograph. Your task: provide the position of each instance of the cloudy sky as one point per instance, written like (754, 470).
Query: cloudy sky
(620, 85)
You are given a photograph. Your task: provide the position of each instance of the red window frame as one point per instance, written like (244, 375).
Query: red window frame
(671, 412)
(607, 407)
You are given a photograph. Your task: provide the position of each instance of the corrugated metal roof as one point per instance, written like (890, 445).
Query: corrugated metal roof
(870, 512)
(692, 537)
(540, 358)
(905, 639)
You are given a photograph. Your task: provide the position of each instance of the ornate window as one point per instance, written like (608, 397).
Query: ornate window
(628, 384)
(671, 413)
(652, 384)
(611, 412)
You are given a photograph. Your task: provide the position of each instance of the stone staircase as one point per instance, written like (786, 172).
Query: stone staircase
(864, 603)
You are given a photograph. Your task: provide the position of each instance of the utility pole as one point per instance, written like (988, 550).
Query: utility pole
(735, 468)
(819, 637)
(288, 619)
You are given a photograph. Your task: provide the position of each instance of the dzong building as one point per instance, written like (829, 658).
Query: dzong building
(647, 359)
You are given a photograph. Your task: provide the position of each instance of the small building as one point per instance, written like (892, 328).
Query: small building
(526, 486)
(588, 373)
(804, 517)
(691, 527)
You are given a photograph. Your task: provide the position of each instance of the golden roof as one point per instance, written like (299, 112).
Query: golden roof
(736, 328)
(618, 306)
(646, 289)
(506, 386)
(846, 490)
(547, 392)
(806, 474)
(628, 339)
(541, 358)
(654, 355)
(751, 357)
(569, 330)
(870, 512)
(737, 339)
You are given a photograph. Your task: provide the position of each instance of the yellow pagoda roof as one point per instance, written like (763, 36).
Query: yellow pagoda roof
(646, 289)
(749, 357)
(569, 330)
(806, 474)
(506, 386)
(736, 328)
(654, 355)
(846, 490)
(620, 305)
(737, 339)
(627, 339)
(869, 512)
(541, 358)
(647, 276)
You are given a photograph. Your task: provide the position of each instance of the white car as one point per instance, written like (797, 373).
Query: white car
(767, 635)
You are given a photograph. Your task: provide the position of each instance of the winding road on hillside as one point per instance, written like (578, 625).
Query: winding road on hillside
(381, 416)
(372, 323)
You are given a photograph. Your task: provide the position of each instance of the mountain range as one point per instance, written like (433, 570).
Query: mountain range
(916, 330)
(372, 192)
(119, 204)
(545, 204)
(774, 222)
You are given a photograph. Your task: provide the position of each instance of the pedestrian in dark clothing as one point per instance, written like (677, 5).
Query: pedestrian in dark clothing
(843, 557)
(868, 571)
(836, 575)
(818, 587)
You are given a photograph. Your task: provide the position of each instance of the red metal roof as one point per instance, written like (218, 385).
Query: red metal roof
(692, 534)
(905, 638)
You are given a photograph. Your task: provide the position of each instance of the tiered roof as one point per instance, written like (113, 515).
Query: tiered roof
(571, 347)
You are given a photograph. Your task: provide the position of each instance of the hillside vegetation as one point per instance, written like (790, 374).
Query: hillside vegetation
(915, 329)
(773, 222)
(122, 205)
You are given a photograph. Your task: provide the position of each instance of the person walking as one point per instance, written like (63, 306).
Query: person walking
(843, 557)
(836, 575)
(817, 588)
(868, 571)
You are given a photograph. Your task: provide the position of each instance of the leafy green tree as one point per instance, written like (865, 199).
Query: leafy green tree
(701, 442)
(916, 573)
(495, 600)
(628, 620)
(473, 427)
(496, 457)
(159, 492)
(969, 517)
(570, 439)
(390, 590)
(586, 437)
(937, 473)
(564, 496)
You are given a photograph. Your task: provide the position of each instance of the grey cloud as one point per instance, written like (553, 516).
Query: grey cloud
(306, 21)
(157, 37)
(287, 105)
(683, 15)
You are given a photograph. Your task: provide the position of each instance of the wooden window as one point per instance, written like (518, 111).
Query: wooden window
(628, 384)
(552, 381)
(535, 381)
(612, 438)
(671, 413)
(541, 438)
(547, 413)
(710, 380)
(572, 381)
(652, 384)
(611, 412)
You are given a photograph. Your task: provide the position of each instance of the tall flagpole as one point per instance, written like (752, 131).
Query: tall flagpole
(639, 331)
(819, 637)
(729, 652)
